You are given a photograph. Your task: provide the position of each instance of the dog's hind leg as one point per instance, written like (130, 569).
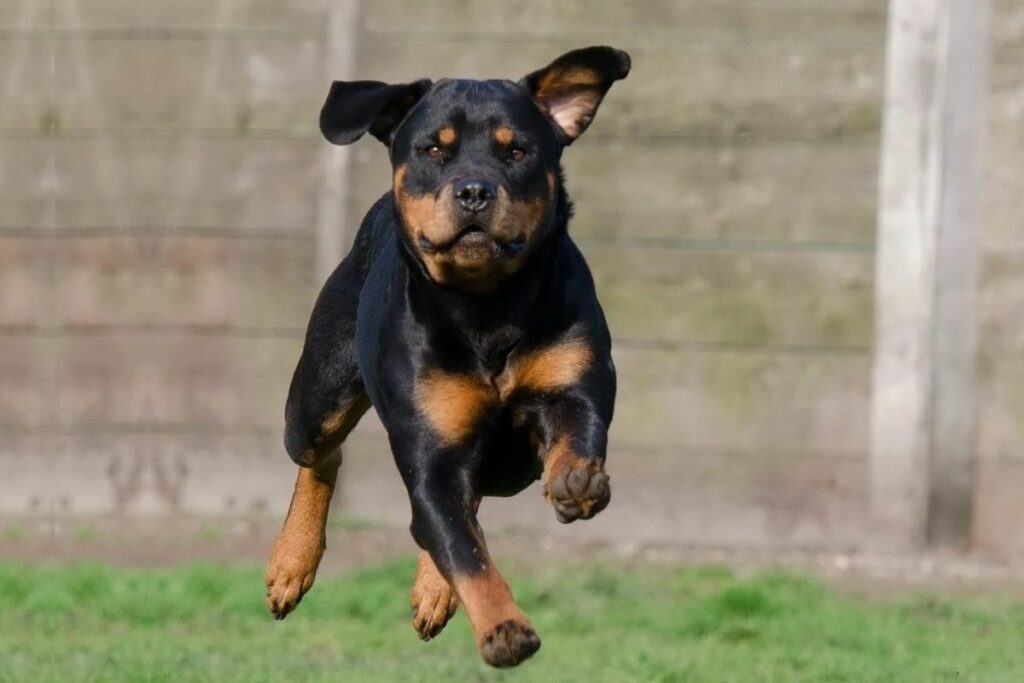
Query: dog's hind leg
(296, 553)
(325, 403)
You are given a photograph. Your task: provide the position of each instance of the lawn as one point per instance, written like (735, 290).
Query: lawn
(608, 623)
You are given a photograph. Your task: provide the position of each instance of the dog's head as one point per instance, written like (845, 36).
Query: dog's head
(476, 163)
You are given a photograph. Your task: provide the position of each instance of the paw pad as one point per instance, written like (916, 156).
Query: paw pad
(579, 491)
(509, 643)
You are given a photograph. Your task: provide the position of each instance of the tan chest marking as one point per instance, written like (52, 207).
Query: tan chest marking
(547, 369)
(453, 403)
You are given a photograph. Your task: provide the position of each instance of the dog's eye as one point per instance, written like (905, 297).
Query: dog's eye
(516, 154)
(435, 152)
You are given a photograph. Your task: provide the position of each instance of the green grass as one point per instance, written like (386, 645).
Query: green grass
(207, 623)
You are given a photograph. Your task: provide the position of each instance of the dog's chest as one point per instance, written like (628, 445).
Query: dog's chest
(455, 404)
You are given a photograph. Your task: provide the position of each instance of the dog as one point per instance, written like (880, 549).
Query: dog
(467, 317)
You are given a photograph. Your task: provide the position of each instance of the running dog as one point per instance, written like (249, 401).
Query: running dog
(467, 317)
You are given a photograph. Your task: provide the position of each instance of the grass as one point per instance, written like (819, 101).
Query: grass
(207, 623)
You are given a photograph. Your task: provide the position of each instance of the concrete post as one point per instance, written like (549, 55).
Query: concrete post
(333, 234)
(923, 415)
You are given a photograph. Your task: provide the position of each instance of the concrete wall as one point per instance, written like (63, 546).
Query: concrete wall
(999, 506)
(159, 169)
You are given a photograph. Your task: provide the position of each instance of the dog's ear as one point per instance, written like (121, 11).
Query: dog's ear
(355, 107)
(570, 88)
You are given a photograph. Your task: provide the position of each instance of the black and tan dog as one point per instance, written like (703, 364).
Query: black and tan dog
(467, 317)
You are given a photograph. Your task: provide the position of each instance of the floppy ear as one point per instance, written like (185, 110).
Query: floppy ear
(570, 88)
(355, 107)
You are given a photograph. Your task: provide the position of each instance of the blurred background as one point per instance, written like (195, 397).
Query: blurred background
(168, 211)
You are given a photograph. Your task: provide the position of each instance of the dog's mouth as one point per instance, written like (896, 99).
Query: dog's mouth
(473, 237)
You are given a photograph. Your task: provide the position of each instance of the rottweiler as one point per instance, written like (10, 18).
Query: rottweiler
(467, 317)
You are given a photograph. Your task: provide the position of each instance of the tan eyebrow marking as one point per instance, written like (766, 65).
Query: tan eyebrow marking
(447, 136)
(504, 135)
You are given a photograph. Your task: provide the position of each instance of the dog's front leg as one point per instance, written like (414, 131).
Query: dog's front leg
(573, 443)
(444, 524)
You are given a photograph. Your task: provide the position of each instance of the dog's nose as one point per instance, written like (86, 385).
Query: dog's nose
(474, 195)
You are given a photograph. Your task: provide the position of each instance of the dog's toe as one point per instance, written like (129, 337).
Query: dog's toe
(432, 607)
(287, 580)
(285, 591)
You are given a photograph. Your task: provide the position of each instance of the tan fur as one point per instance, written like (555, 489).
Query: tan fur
(547, 369)
(296, 553)
(519, 217)
(559, 457)
(565, 78)
(453, 403)
(432, 217)
(338, 424)
(447, 136)
(425, 215)
(433, 599)
(334, 429)
(398, 179)
(487, 600)
(504, 135)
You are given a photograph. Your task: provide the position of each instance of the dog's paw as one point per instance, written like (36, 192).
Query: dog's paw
(578, 490)
(290, 573)
(433, 604)
(509, 643)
